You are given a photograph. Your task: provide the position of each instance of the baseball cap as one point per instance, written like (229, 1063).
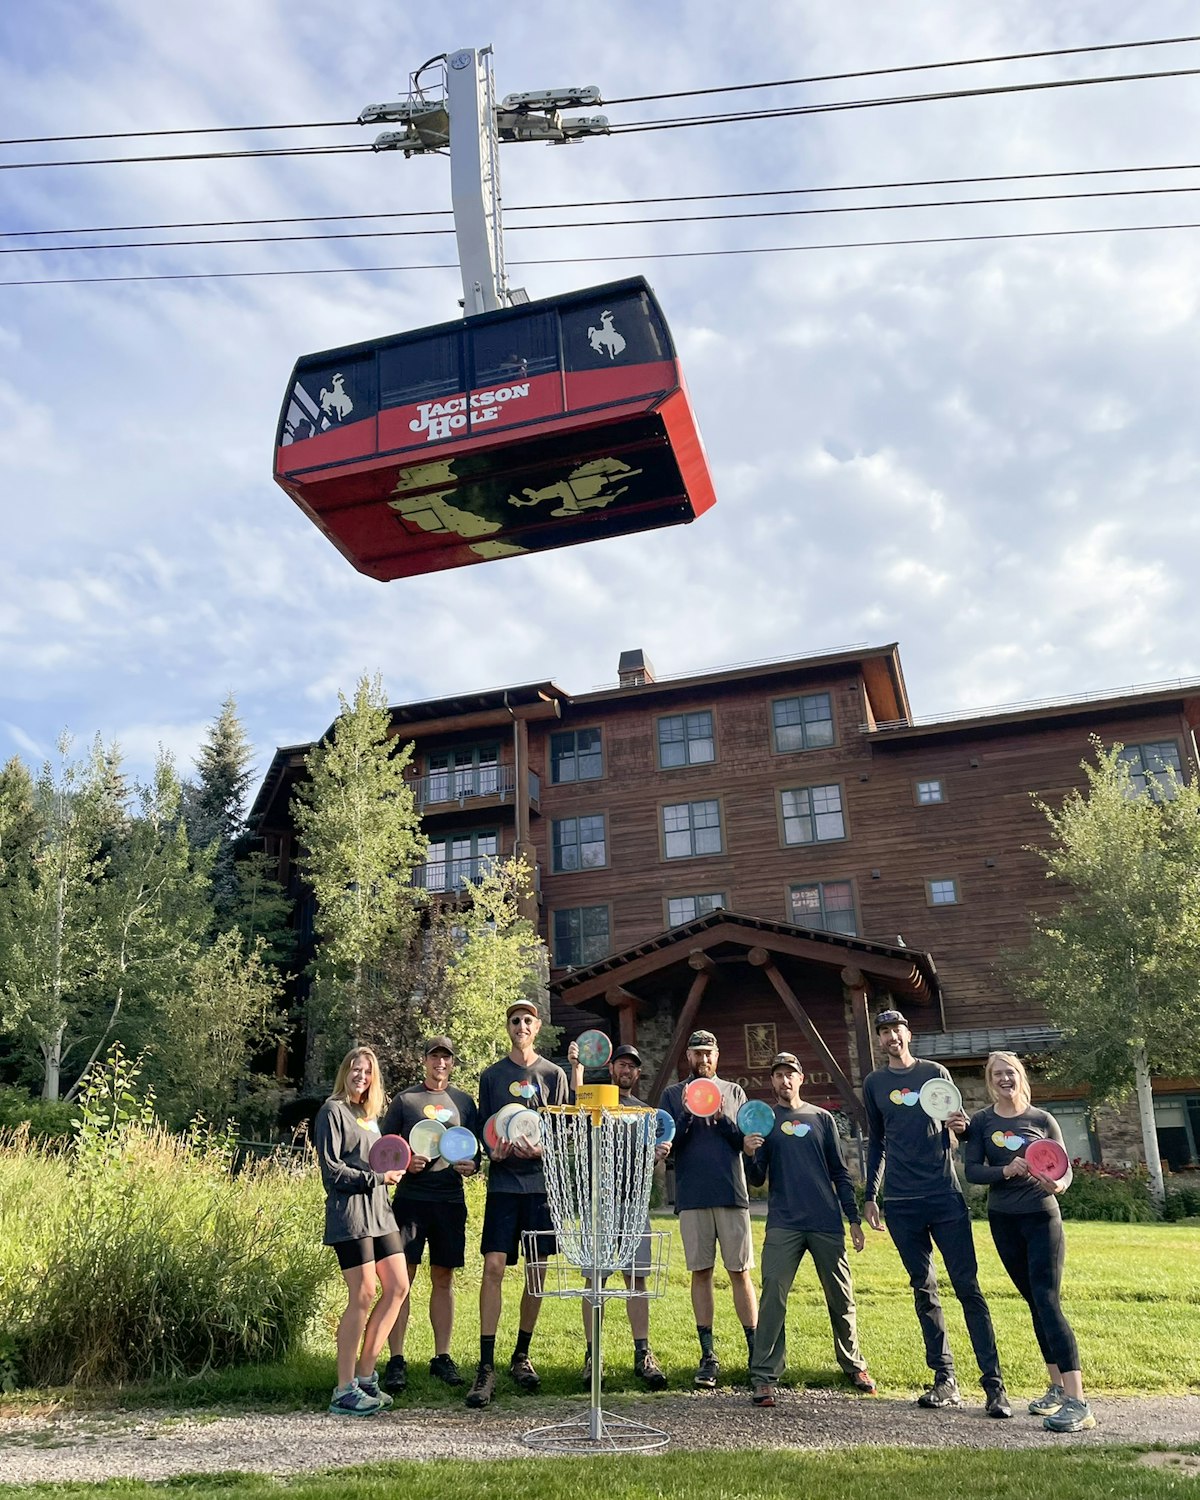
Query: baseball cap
(627, 1051)
(890, 1018)
(440, 1044)
(786, 1060)
(702, 1039)
(527, 1005)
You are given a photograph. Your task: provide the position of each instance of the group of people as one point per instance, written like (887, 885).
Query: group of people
(380, 1243)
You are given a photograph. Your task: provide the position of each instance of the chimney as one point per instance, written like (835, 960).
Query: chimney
(634, 669)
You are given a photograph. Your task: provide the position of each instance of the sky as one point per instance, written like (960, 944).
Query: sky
(987, 451)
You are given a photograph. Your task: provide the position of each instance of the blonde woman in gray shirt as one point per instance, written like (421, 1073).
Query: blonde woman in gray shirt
(361, 1228)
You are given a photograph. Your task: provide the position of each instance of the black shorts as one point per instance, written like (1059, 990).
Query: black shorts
(351, 1253)
(507, 1216)
(443, 1225)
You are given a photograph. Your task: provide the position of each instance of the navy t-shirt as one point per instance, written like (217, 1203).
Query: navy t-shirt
(708, 1150)
(801, 1158)
(919, 1151)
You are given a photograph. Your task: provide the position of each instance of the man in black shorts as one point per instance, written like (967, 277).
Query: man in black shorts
(430, 1207)
(925, 1207)
(516, 1197)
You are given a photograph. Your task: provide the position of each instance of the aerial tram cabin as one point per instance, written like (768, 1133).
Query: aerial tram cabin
(532, 427)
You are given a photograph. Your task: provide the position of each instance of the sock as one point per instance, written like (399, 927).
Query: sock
(749, 1332)
(522, 1348)
(641, 1347)
(487, 1349)
(705, 1337)
(589, 1351)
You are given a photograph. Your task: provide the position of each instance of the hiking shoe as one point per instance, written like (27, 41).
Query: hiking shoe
(395, 1374)
(586, 1376)
(861, 1381)
(648, 1369)
(998, 1403)
(708, 1372)
(1047, 1405)
(942, 1393)
(369, 1384)
(764, 1394)
(1071, 1416)
(352, 1401)
(521, 1369)
(443, 1368)
(484, 1388)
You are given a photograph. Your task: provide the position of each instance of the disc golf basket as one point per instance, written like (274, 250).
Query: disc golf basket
(598, 1160)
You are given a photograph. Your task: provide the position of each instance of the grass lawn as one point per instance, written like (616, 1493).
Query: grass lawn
(1132, 1293)
(1065, 1474)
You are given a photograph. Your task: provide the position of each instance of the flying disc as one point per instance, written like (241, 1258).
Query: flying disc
(756, 1117)
(595, 1049)
(525, 1129)
(939, 1099)
(458, 1144)
(1047, 1159)
(390, 1153)
(491, 1136)
(425, 1138)
(664, 1127)
(702, 1097)
(502, 1116)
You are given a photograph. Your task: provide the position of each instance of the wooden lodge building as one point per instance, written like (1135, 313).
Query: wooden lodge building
(774, 852)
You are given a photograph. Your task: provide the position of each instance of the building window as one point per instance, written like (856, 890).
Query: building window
(575, 756)
(812, 814)
(802, 723)
(1177, 1125)
(681, 909)
(941, 892)
(1079, 1141)
(473, 771)
(580, 936)
(686, 740)
(578, 844)
(691, 828)
(453, 860)
(929, 791)
(828, 904)
(1150, 767)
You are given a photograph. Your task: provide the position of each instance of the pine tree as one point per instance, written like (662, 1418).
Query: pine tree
(214, 806)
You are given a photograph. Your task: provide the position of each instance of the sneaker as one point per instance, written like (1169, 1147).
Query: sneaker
(395, 1374)
(443, 1368)
(1071, 1416)
(586, 1376)
(522, 1371)
(764, 1394)
(1047, 1405)
(648, 1370)
(998, 1403)
(369, 1384)
(352, 1401)
(484, 1388)
(943, 1392)
(708, 1372)
(861, 1381)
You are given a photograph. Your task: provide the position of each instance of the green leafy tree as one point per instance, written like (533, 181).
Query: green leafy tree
(214, 806)
(1117, 966)
(262, 909)
(20, 819)
(358, 823)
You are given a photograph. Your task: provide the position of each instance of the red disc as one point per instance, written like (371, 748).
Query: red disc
(390, 1153)
(702, 1096)
(1047, 1159)
(490, 1138)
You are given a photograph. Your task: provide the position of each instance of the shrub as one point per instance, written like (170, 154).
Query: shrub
(164, 1263)
(1183, 1199)
(48, 1120)
(1099, 1192)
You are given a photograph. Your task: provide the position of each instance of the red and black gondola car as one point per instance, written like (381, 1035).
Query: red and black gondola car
(538, 426)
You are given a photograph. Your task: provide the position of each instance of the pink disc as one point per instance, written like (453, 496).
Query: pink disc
(702, 1096)
(390, 1153)
(1048, 1159)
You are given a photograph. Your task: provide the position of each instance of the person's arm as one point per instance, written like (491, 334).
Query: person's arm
(839, 1173)
(393, 1119)
(1049, 1184)
(672, 1102)
(975, 1164)
(727, 1126)
(757, 1161)
(876, 1145)
(330, 1142)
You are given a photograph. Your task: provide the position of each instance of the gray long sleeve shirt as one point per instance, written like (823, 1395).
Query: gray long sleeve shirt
(356, 1196)
(708, 1150)
(919, 1151)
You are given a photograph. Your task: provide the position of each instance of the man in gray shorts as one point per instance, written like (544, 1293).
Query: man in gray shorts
(625, 1070)
(711, 1200)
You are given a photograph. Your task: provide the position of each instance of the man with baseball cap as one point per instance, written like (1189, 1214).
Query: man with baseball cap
(925, 1207)
(810, 1190)
(431, 1208)
(625, 1070)
(711, 1200)
(516, 1197)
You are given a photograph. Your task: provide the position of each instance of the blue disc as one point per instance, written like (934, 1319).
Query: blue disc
(756, 1117)
(458, 1144)
(664, 1128)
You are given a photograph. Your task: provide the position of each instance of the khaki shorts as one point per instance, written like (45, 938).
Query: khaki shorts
(702, 1229)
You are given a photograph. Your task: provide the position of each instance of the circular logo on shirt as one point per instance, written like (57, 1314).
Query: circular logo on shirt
(795, 1127)
(904, 1096)
(440, 1112)
(522, 1089)
(1007, 1139)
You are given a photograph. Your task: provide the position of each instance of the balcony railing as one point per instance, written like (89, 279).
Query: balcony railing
(448, 876)
(458, 787)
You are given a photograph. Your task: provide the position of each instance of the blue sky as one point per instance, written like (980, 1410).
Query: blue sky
(987, 451)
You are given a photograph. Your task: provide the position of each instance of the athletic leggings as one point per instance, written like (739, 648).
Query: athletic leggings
(1032, 1249)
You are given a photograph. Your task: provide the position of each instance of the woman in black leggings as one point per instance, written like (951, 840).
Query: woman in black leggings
(1026, 1225)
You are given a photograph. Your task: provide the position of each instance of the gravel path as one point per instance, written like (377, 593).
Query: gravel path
(159, 1445)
